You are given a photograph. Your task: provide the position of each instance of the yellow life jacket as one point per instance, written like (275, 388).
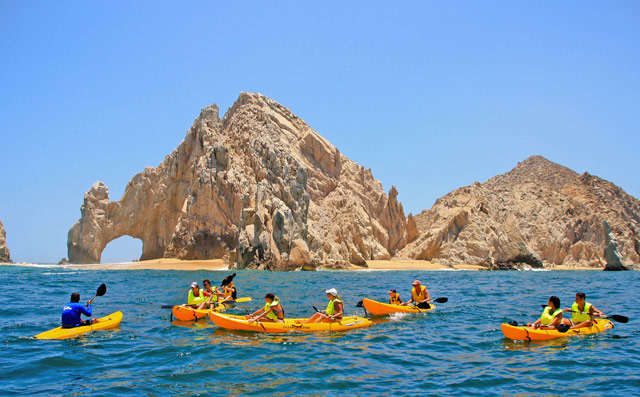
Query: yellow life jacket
(195, 300)
(547, 317)
(394, 298)
(330, 309)
(272, 314)
(578, 318)
(418, 296)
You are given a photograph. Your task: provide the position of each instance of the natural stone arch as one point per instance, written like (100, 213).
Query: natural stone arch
(122, 249)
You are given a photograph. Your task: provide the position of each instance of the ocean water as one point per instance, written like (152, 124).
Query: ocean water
(458, 349)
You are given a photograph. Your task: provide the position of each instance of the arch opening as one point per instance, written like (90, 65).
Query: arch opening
(122, 249)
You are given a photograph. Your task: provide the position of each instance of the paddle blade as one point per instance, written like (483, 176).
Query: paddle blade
(513, 323)
(544, 306)
(562, 328)
(620, 319)
(359, 304)
(102, 289)
(442, 300)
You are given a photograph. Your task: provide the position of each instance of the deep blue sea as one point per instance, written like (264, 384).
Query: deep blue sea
(456, 350)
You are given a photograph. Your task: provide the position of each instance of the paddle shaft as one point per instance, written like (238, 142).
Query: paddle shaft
(319, 311)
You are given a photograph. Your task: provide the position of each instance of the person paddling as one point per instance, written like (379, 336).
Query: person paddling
(419, 295)
(334, 311)
(394, 297)
(551, 315)
(582, 312)
(210, 293)
(196, 297)
(73, 311)
(271, 312)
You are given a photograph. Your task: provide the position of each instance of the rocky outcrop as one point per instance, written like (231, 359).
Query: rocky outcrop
(258, 187)
(611, 253)
(5, 256)
(539, 212)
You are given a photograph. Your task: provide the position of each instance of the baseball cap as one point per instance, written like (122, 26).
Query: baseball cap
(332, 291)
(415, 282)
(194, 284)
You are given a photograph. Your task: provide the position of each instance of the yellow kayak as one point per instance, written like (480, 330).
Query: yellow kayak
(110, 321)
(188, 313)
(526, 333)
(378, 308)
(290, 324)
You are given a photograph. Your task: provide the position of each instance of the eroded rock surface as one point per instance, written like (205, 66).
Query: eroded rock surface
(258, 187)
(5, 254)
(539, 212)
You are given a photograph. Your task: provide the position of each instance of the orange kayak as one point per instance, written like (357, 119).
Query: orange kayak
(290, 324)
(526, 333)
(378, 308)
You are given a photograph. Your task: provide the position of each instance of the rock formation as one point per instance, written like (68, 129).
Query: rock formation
(611, 253)
(539, 212)
(259, 187)
(5, 256)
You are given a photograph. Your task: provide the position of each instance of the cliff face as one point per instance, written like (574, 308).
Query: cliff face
(259, 187)
(538, 212)
(5, 256)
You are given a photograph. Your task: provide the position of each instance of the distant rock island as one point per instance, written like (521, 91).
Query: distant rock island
(261, 189)
(5, 256)
(539, 212)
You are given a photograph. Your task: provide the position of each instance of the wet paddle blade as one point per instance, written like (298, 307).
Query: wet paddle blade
(620, 319)
(442, 300)
(562, 328)
(359, 304)
(102, 289)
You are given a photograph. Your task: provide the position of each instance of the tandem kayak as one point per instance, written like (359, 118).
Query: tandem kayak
(110, 321)
(378, 308)
(290, 324)
(526, 333)
(188, 313)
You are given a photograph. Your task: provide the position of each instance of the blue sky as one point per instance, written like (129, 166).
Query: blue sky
(431, 95)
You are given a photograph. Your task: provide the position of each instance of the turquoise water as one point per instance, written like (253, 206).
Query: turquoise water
(456, 350)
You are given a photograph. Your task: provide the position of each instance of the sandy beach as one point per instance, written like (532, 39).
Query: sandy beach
(219, 264)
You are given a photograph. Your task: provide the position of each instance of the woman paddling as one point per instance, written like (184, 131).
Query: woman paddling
(551, 315)
(334, 311)
(271, 312)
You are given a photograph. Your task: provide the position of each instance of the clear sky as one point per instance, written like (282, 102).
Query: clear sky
(431, 95)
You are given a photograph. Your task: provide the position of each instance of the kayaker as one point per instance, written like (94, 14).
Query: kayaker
(579, 310)
(334, 311)
(210, 293)
(551, 315)
(229, 291)
(196, 297)
(394, 297)
(419, 295)
(271, 312)
(73, 311)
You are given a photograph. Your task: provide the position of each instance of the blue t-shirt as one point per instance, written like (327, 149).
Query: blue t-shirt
(72, 312)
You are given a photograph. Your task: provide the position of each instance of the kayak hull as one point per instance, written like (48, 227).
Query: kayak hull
(187, 313)
(107, 322)
(526, 333)
(378, 308)
(290, 325)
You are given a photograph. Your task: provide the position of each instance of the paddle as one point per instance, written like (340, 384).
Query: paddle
(318, 311)
(562, 328)
(257, 321)
(102, 289)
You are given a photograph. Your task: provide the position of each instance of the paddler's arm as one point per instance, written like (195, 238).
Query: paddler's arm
(595, 312)
(86, 311)
(339, 311)
(255, 313)
(427, 295)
